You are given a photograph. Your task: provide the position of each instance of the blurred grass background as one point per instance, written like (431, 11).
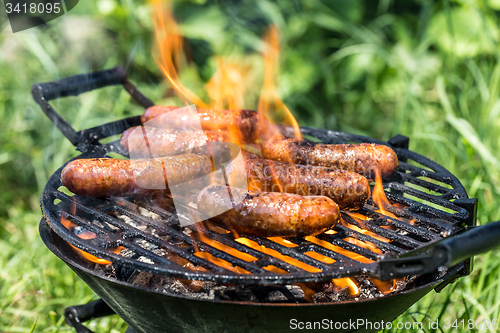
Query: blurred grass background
(426, 69)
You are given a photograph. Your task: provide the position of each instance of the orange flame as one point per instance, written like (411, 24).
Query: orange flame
(269, 96)
(338, 249)
(386, 287)
(282, 241)
(365, 245)
(365, 232)
(276, 254)
(378, 196)
(308, 292)
(275, 269)
(347, 283)
(170, 47)
(221, 262)
(225, 248)
(227, 87)
(357, 216)
(320, 257)
(232, 81)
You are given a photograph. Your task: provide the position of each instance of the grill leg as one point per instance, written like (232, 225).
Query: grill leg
(75, 315)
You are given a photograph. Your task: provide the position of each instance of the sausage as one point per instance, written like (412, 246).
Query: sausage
(268, 214)
(102, 177)
(157, 142)
(361, 158)
(249, 125)
(347, 189)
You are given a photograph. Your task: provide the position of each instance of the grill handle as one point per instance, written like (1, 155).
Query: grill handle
(74, 85)
(75, 315)
(473, 241)
(443, 253)
(77, 84)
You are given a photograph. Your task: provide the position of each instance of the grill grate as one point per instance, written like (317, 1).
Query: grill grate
(156, 242)
(436, 205)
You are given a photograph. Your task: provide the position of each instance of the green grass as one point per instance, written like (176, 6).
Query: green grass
(425, 69)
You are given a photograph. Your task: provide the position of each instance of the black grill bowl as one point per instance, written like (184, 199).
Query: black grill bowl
(149, 311)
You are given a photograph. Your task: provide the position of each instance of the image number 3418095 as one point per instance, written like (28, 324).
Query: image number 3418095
(26, 14)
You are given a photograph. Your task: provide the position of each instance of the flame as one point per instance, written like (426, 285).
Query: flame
(216, 228)
(365, 245)
(233, 79)
(282, 241)
(365, 232)
(275, 269)
(269, 96)
(386, 287)
(276, 254)
(320, 257)
(170, 48)
(225, 248)
(230, 87)
(347, 283)
(308, 292)
(378, 196)
(357, 216)
(221, 262)
(227, 87)
(338, 249)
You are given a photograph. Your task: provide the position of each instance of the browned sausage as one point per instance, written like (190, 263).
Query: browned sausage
(102, 177)
(347, 189)
(249, 125)
(361, 158)
(269, 214)
(157, 142)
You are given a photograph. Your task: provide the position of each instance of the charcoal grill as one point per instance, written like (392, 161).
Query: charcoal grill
(431, 232)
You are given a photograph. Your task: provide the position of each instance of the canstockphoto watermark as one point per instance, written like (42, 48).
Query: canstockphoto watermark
(364, 324)
(352, 324)
(26, 14)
